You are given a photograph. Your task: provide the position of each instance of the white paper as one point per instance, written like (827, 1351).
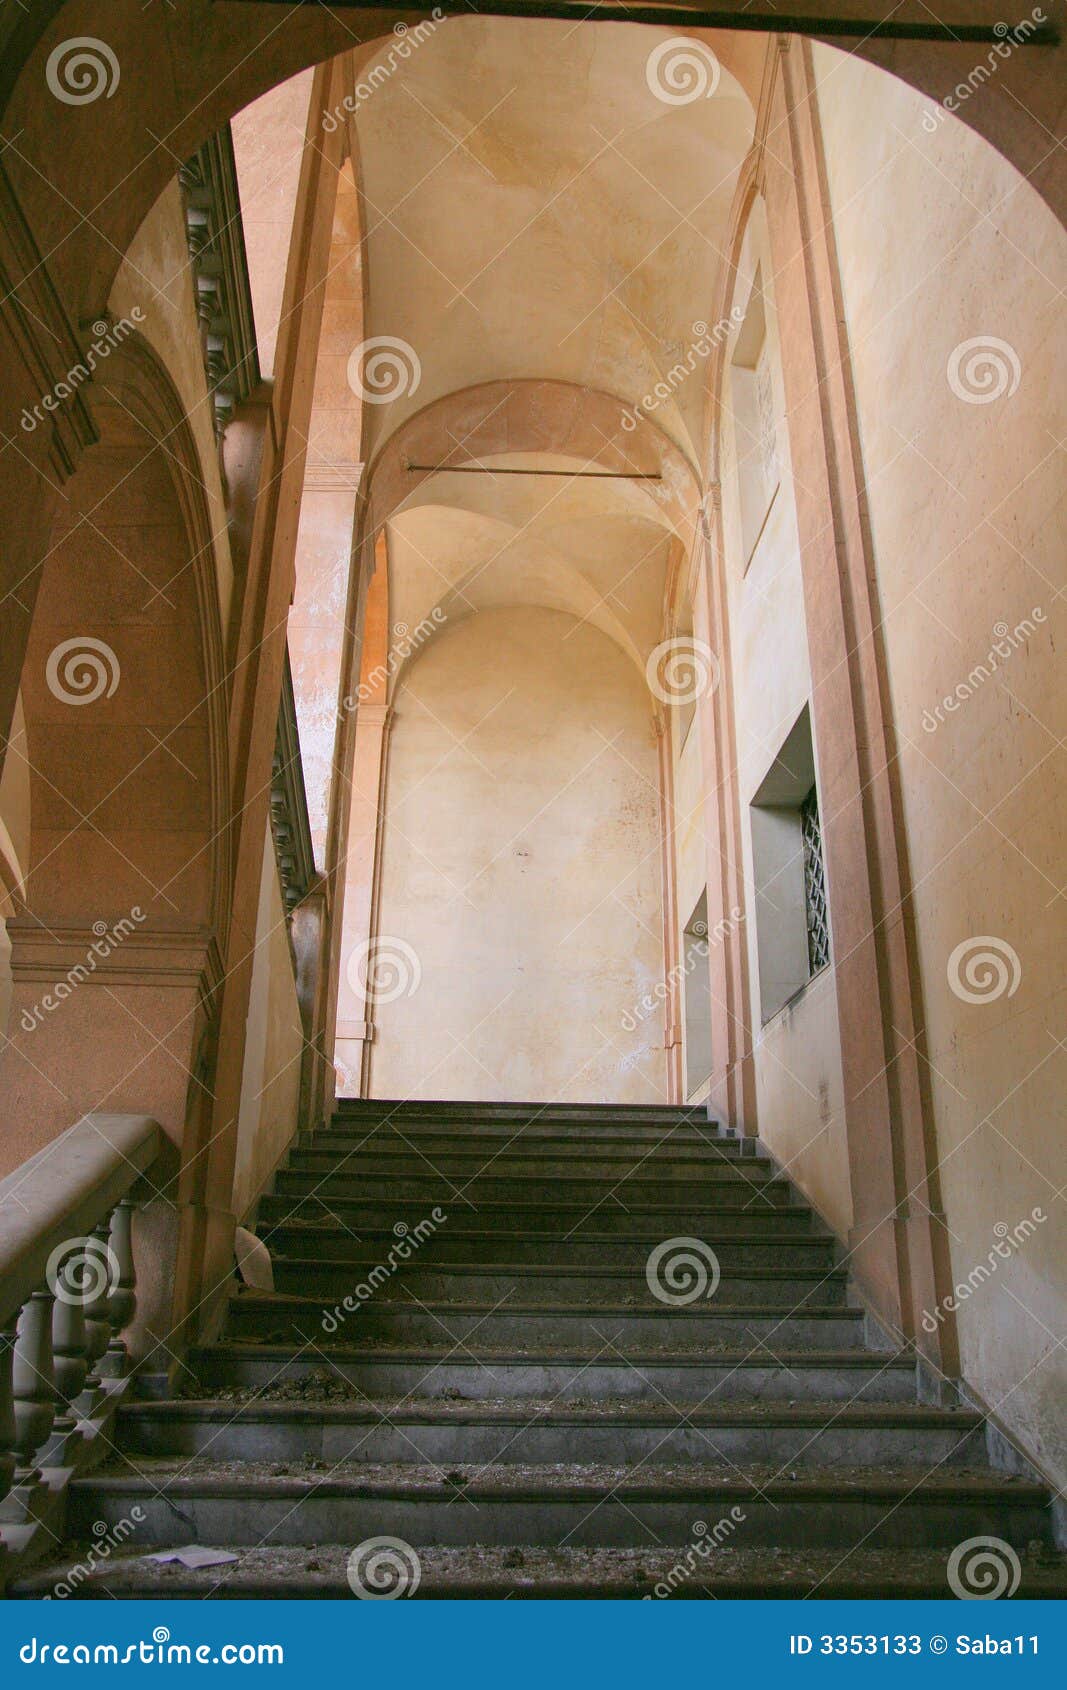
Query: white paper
(194, 1556)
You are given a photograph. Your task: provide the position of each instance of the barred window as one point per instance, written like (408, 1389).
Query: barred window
(814, 884)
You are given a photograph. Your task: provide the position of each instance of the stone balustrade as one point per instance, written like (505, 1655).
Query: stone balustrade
(67, 1289)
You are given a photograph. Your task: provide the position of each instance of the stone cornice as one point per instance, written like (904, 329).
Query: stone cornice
(118, 952)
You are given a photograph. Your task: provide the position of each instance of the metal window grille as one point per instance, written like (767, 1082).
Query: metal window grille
(814, 885)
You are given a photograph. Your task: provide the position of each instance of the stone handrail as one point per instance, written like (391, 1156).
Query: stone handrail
(67, 1284)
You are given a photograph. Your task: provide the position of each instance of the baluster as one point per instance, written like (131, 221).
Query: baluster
(122, 1301)
(97, 1321)
(32, 1384)
(72, 1281)
(7, 1408)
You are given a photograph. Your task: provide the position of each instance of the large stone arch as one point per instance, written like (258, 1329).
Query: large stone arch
(116, 940)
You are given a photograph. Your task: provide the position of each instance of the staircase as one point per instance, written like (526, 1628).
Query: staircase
(545, 1398)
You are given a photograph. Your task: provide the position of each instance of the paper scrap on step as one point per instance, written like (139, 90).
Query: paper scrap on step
(193, 1555)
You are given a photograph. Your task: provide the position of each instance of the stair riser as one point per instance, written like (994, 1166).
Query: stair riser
(411, 1326)
(558, 1115)
(333, 1282)
(527, 1144)
(500, 1251)
(576, 1223)
(430, 1190)
(838, 1522)
(451, 1446)
(646, 1380)
(608, 1171)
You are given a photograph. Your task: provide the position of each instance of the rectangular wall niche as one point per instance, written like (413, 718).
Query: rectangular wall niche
(696, 992)
(792, 918)
(755, 427)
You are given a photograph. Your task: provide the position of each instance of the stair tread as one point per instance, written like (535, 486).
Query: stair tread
(532, 1270)
(196, 1474)
(251, 1404)
(476, 1571)
(566, 1356)
(719, 1310)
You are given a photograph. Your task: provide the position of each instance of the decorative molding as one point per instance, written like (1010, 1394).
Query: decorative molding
(331, 478)
(289, 821)
(215, 235)
(102, 954)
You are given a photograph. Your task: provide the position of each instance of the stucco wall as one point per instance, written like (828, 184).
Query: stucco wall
(940, 243)
(799, 1086)
(521, 894)
(270, 1086)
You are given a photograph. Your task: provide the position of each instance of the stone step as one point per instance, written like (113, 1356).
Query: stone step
(492, 1114)
(541, 1134)
(299, 1320)
(244, 1502)
(690, 1573)
(487, 1433)
(463, 1243)
(437, 1190)
(475, 1371)
(764, 1208)
(661, 1164)
(789, 1287)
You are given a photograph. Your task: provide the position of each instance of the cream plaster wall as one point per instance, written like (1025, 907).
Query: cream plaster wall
(520, 869)
(156, 279)
(268, 145)
(941, 242)
(274, 1042)
(799, 1084)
